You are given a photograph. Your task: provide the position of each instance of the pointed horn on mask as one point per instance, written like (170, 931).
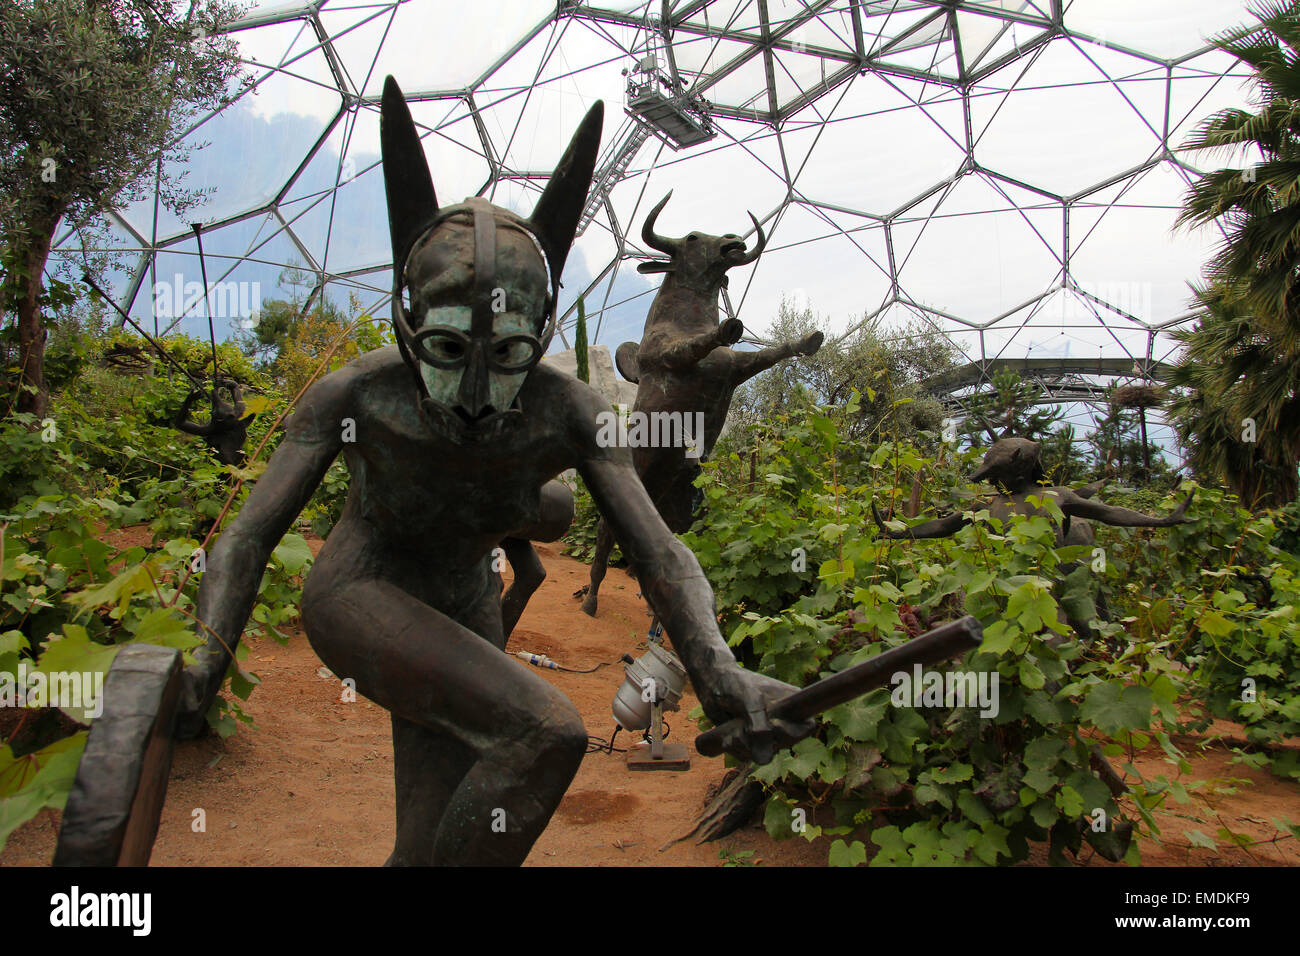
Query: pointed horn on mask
(653, 239)
(407, 183)
(758, 249)
(560, 209)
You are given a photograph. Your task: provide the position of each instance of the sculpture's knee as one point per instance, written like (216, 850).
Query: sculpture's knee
(559, 740)
(555, 513)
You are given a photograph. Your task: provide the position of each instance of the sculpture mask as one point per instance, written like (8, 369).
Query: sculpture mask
(483, 280)
(478, 325)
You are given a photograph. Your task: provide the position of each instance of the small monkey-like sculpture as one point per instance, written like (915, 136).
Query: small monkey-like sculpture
(227, 429)
(458, 429)
(684, 365)
(1015, 466)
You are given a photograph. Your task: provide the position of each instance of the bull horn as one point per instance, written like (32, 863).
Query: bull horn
(652, 238)
(758, 249)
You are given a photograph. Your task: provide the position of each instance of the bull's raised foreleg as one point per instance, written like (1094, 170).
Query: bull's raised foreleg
(604, 545)
(749, 364)
(691, 349)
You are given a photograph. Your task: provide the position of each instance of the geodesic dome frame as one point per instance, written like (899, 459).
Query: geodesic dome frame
(1005, 170)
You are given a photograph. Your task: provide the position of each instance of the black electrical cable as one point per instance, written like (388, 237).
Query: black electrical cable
(589, 670)
(599, 745)
(663, 721)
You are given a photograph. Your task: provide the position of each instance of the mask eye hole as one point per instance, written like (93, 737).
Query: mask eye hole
(442, 347)
(446, 348)
(515, 352)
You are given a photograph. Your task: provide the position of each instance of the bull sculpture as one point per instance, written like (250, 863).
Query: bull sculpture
(685, 366)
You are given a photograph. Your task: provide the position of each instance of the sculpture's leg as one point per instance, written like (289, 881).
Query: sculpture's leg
(604, 545)
(428, 766)
(554, 515)
(518, 740)
(528, 577)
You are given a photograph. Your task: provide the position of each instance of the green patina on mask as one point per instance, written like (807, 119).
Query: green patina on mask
(479, 305)
(446, 335)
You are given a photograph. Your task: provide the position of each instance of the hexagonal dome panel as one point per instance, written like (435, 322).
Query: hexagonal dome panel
(1008, 170)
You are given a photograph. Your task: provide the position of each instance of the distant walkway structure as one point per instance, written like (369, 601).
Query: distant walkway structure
(1063, 379)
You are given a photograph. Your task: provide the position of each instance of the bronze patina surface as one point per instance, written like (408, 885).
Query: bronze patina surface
(457, 432)
(685, 366)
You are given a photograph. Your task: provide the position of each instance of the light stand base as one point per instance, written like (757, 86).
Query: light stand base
(659, 755)
(674, 757)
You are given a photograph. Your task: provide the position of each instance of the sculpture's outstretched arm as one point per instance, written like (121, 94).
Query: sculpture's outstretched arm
(1079, 507)
(686, 352)
(1089, 491)
(181, 420)
(237, 406)
(676, 588)
(238, 558)
(935, 528)
(748, 364)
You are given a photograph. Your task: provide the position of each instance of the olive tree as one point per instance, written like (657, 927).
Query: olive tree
(92, 94)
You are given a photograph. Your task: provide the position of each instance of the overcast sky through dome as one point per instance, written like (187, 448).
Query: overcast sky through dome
(876, 164)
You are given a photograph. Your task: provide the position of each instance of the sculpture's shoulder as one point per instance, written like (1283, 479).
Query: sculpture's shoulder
(576, 407)
(560, 390)
(1055, 492)
(1061, 495)
(342, 393)
(376, 366)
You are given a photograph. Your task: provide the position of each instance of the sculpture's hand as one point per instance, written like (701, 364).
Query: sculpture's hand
(809, 344)
(733, 692)
(880, 522)
(730, 331)
(1179, 515)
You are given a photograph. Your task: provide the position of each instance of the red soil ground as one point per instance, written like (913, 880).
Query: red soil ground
(312, 782)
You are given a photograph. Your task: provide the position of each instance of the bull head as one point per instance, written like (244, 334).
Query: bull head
(698, 261)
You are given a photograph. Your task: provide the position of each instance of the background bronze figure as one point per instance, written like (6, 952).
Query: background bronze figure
(685, 365)
(1015, 466)
(458, 429)
(226, 429)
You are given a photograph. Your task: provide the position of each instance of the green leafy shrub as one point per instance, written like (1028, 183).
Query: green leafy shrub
(941, 784)
(70, 597)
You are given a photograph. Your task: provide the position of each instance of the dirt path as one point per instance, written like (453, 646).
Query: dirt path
(312, 783)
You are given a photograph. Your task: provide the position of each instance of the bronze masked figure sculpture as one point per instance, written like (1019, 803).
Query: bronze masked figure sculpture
(457, 431)
(227, 429)
(685, 366)
(1015, 466)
